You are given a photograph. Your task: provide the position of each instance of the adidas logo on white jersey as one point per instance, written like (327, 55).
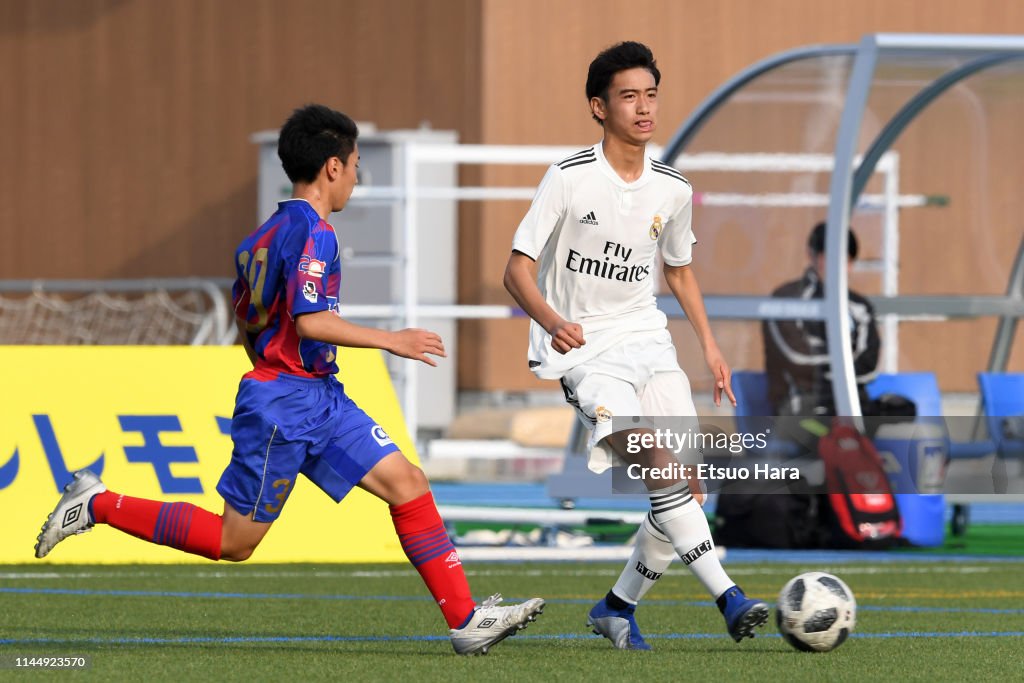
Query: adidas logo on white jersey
(590, 219)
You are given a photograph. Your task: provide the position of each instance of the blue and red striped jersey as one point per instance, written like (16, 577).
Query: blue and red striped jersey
(289, 266)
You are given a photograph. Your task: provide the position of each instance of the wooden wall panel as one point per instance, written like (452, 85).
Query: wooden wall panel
(128, 121)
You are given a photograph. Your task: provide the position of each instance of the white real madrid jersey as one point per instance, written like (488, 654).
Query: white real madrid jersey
(595, 238)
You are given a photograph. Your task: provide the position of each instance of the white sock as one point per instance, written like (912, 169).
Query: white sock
(682, 520)
(652, 555)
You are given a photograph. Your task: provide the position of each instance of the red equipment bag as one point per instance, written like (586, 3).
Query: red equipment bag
(859, 493)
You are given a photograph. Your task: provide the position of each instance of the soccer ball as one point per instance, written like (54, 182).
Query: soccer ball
(816, 612)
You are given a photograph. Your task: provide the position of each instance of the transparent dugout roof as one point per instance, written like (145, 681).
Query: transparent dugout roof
(950, 114)
(936, 206)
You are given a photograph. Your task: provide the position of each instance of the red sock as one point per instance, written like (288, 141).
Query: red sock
(178, 525)
(426, 544)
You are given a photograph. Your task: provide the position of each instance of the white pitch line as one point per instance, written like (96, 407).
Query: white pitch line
(852, 569)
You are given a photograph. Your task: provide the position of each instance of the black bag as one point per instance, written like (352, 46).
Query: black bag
(890, 405)
(768, 520)
(1013, 428)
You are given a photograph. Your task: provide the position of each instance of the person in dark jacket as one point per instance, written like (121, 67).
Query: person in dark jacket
(796, 351)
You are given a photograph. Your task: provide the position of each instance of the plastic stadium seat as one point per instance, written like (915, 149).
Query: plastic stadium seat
(753, 410)
(923, 515)
(923, 389)
(751, 391)
(1002, 395)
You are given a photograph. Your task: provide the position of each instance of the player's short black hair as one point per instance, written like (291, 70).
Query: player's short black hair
(312, 135)
(625, 55)
(816, 242)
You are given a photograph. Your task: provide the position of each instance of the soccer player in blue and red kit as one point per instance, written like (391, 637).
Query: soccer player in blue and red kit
(291, 415)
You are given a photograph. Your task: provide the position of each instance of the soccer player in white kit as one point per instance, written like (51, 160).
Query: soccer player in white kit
(596, 223)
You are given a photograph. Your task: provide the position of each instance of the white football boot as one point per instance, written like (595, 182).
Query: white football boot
(71, 516)
(492, 624)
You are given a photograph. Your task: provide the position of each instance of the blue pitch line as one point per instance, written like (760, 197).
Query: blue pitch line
(227, 640)
(229, 596)
(416, 598)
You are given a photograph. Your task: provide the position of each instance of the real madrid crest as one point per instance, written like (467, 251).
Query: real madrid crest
(656, 228)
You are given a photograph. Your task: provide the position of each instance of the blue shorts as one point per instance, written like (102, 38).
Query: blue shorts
(294, 424)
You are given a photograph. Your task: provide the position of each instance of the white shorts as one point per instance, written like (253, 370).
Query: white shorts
(639, 378)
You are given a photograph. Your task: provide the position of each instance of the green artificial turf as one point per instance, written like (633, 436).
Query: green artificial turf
(924, 620)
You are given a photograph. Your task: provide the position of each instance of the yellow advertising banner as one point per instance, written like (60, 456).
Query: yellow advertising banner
(154, 422)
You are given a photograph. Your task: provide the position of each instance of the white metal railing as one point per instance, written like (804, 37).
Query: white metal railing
(218, 329)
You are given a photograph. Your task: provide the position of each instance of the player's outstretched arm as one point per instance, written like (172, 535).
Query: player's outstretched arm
(520, 283)
(327, 327)
(683, 283)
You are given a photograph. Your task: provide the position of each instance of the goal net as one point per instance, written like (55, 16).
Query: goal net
(171, 312)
